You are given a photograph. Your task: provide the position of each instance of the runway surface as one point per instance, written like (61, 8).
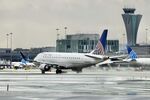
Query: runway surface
(88, 85)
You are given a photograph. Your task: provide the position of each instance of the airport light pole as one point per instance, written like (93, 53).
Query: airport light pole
(11, 40)
(11, 46)
(65, 31)
(7, 39)
(94, 43)
(65, 38)
(57, 38)
(146, 35)
(57, 33)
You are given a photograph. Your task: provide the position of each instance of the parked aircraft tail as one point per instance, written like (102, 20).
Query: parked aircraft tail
(24, 58)
(132, 54)
(22, 55)
(101, 45)
(23, 61)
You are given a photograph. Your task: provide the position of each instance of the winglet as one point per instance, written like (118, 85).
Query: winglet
(101, 45)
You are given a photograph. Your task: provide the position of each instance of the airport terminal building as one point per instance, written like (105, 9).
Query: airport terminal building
(142, 50)
(83, 43)
(7, 54)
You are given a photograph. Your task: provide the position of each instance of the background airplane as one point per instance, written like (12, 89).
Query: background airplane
(24, 63)
(135, 60)
(132, 60)
(74, 61)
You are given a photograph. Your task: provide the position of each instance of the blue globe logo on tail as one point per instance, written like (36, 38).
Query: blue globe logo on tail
(131, 53)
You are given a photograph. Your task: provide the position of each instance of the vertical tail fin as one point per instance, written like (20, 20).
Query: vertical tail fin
(132, 54)
(24, 59)
(100, 47)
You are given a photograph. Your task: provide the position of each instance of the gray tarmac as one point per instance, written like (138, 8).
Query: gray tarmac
(91, 84)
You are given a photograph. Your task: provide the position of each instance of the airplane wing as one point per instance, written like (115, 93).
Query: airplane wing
(119, 57)
(97, 56)
(109, 61)
(114, 59)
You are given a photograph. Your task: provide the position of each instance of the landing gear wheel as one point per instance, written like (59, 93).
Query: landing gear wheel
(58, 71)
(43, 71)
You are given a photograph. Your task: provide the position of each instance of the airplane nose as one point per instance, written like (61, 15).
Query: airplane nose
(37, 58)
(35, 61)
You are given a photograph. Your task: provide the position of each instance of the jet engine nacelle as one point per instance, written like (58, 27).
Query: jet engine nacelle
(44, 67)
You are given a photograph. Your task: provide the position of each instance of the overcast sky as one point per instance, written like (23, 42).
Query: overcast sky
(34, 22)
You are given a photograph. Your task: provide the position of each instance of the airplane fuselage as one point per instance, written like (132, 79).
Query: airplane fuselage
(66, 60)
(143, 61)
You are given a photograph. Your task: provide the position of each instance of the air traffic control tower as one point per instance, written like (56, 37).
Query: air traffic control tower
(131, 22)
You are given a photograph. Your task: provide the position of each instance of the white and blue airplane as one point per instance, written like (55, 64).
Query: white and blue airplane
(132, 59)
(74, 61)
(23, 63)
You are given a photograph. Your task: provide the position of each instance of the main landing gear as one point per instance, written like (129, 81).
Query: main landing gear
(58, 71)
(43, 71)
